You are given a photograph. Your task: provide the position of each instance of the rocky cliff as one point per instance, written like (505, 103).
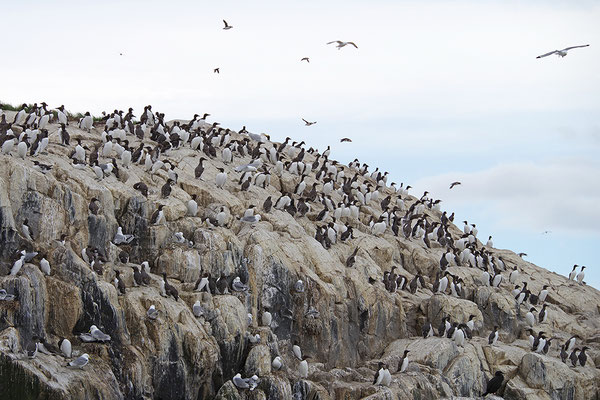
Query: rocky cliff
(345, 318)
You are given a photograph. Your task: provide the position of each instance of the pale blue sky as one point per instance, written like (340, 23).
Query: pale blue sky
(437, 91)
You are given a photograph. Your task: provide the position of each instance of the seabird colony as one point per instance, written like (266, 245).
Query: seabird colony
(343, 201)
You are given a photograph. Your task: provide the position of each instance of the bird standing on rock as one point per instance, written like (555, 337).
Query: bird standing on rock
(494, 384)
(169, 290)
(403, 363)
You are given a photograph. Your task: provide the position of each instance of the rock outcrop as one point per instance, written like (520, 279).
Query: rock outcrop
(345, 319)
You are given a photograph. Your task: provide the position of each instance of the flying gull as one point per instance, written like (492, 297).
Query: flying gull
(342, 140)
(305, 59)
(341, 44)
(454, 184)
(563, 52)
(308, 123)
(226, 25)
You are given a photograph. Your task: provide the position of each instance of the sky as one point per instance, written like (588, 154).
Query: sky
(437, 91)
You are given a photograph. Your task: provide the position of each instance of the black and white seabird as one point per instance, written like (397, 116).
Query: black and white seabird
(581, 275)
(543, 315)
(221, 178)
(563, 354)
(200, 168)
(454, 184)
(570, 343)
(582, 356)
(165, 191)
(493, 338)
(403, 363)
(158, 216)
(573, 357)
(530, 317)
(573, 272)
(543, 294)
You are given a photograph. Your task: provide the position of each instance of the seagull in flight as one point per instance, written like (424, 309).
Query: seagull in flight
(341, 44)
(563, 52)
(226, 25)
(216, 71)
(342, 140)
(546, 232)
(305, 59)
(522, 255)
(454, 184)
(308, 123)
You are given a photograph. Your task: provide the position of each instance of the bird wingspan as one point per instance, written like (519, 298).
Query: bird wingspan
(575, 47)
(335, 41)
(547, 54)
(353, 44)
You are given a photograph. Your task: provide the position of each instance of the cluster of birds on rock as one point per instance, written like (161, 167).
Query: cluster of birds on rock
(341, 200)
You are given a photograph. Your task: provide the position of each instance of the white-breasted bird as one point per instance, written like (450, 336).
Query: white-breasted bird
(65, 347)
(221, 178)
(45, 266)
(197, 309)
(581, 275)
(403, 363)
(266, 318)
(80, 361)
(530, 317)
(276, 364)
(303, 367)
(152, 312)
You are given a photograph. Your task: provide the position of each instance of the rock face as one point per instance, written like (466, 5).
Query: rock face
(344, 319)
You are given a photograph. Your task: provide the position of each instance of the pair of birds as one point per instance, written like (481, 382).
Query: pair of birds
(383, 377)
(579, 276)
(245, 383)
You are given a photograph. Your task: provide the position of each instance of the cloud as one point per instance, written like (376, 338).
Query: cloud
(560, 195)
